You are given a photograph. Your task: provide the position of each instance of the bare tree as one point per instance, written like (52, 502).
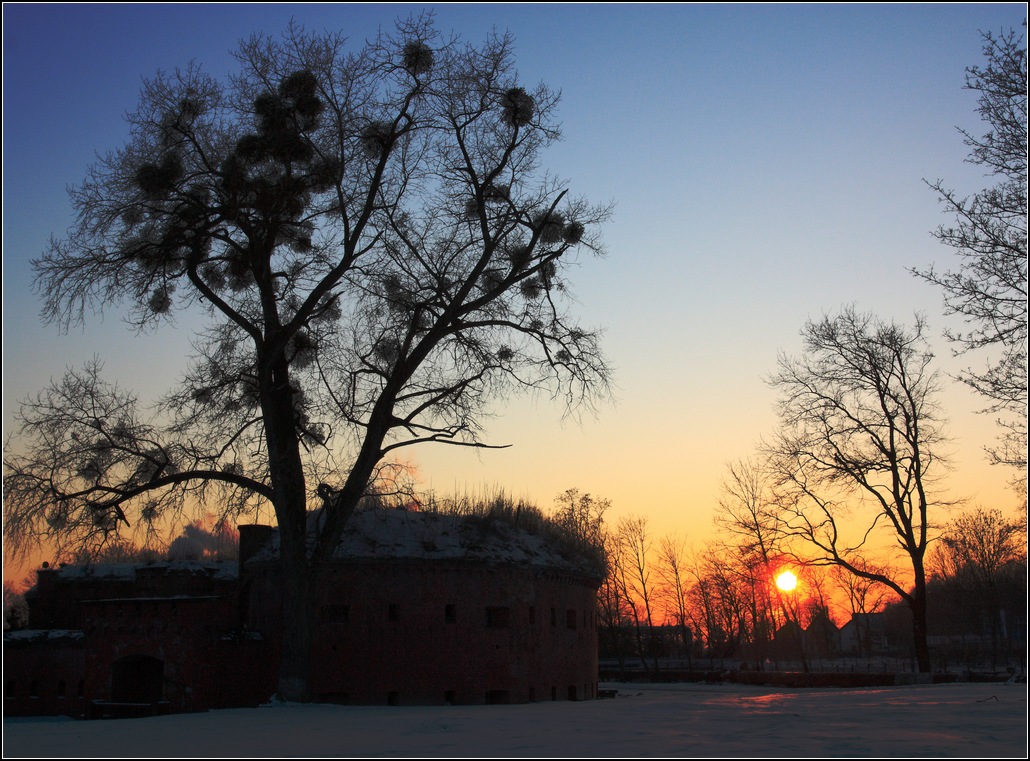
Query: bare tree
(581, 517)
(16, 610)
(747, 511)
(634, 547)
(614, 609)
(673, 589)
(379, 257)
(989, 289)
(720, 604)
(701, 610)
(977, 551)
(855, 452)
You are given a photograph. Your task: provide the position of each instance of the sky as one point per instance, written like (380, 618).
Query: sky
(767, 164)
(643, 720)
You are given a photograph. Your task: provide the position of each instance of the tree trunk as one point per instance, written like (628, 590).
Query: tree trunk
(297, 615)
(297, 584)
(917, 603)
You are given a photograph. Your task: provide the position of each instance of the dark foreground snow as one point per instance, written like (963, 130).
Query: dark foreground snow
(677, 720)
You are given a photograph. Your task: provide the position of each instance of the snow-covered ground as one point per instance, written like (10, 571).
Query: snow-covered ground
(677, 720)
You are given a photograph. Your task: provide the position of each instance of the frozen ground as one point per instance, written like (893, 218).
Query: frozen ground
(678, 720)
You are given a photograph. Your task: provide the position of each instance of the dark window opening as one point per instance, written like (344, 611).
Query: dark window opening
(450, 614)
(554, 616)
(336, 698)
(572, 692)
(532, 614)
(554, 693)
(570, 619)
(498, 618)
(137, 679)
(393, 612)
(497, 697)
(336, 613)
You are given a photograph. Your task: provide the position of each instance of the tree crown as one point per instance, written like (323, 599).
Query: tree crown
(376, 251)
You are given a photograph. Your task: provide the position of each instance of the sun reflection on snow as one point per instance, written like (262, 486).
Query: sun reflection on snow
(773, 701)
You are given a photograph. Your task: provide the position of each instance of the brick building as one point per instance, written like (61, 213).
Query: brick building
(421, 608)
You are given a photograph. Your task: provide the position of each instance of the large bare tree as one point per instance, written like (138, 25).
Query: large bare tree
(856, 451)
(989, 288)
(378, 256)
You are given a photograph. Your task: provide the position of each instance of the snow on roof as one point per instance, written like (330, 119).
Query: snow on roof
(152, 599)
(375, 534)
(44, 635)
(218, 569)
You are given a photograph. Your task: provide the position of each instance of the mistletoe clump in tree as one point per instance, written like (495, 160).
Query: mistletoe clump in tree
(378, 257)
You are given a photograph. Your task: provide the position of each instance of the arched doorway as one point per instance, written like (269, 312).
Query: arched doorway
(137, 679)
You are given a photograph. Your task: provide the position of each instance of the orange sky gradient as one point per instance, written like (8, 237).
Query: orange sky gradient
(767, 165)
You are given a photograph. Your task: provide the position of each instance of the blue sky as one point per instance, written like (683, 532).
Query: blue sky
(766, 164)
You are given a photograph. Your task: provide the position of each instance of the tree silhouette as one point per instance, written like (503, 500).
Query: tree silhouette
(989, 290)
(981, 555)
(856, 446)
(378, 257)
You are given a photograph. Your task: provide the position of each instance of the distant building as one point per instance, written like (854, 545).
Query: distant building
(867, 634)
(421, 608)
(822, 637)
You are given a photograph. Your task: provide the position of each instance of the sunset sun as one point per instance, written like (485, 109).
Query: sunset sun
(787, 581)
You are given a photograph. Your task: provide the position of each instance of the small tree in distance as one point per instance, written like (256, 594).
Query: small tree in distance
(379, 258)
(982, 555)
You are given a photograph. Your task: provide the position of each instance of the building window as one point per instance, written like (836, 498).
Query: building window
(450, 614)
(336, 613)
(393, 613)
(498, 618)
(554, 616)
(497, 697)
(570, 619)
(336, 698)
(532, 614)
